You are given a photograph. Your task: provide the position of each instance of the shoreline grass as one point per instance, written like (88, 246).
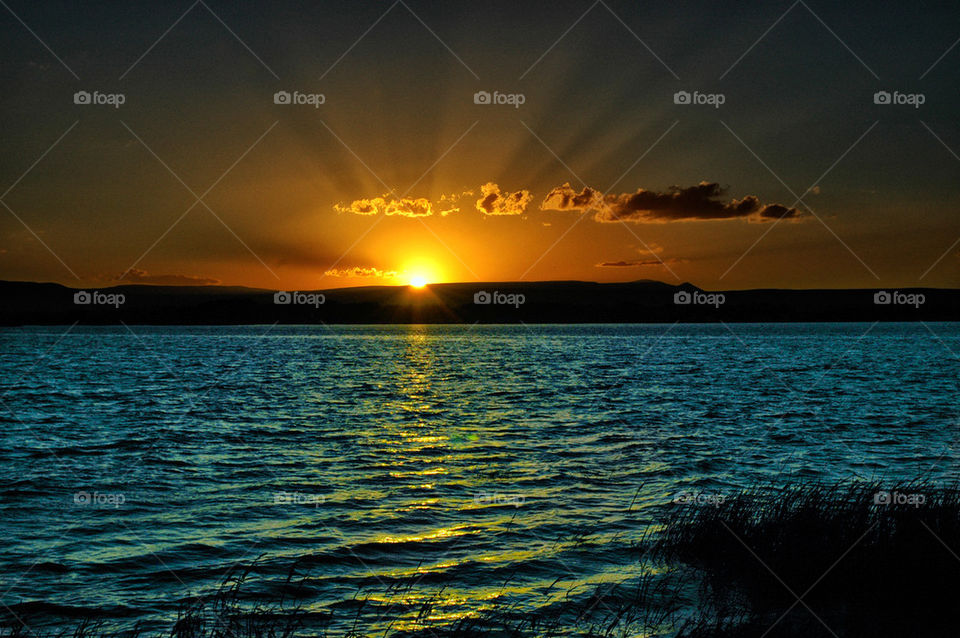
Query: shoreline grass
(848, 559)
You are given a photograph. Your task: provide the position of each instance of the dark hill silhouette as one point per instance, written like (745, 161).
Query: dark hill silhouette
(485, 302)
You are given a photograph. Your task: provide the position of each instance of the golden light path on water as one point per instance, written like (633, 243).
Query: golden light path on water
(428, 454)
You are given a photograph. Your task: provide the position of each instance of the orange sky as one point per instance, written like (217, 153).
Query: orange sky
(201, 177)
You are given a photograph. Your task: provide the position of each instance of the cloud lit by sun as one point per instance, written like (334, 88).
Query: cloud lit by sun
(416, 273)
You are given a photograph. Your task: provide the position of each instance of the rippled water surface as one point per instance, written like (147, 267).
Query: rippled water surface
(464, 462)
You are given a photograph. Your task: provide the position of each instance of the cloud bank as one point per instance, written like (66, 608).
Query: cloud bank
(703, 202)
(404, 207)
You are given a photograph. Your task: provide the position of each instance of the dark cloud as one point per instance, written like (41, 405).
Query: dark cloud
(702, 202)
(778, 211)
(635, 263)
(137, 276)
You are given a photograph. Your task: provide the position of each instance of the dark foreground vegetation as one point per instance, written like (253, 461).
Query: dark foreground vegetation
(850, 559)
(846, 560)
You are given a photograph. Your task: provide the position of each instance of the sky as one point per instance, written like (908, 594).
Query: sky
(727, 144)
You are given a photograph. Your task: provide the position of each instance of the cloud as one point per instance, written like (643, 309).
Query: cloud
(138, 276)
(451, 203)
(627, 264)
(404, 207)
(650, 248)
(360, 271)
(363, 206)
(565, 198)
(702, 202)
(494, 202)
(636, 263)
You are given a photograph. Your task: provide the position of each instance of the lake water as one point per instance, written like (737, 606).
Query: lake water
(400, 464)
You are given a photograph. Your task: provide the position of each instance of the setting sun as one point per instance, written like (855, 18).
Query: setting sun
(420, 272)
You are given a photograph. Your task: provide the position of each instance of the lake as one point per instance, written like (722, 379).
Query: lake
(391, 466)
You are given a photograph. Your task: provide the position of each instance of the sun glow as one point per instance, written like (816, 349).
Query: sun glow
(421, 272)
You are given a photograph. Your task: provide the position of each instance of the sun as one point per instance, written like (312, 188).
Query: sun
(420, 272)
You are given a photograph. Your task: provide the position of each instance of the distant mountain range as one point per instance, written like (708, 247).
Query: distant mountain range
(25, 303)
